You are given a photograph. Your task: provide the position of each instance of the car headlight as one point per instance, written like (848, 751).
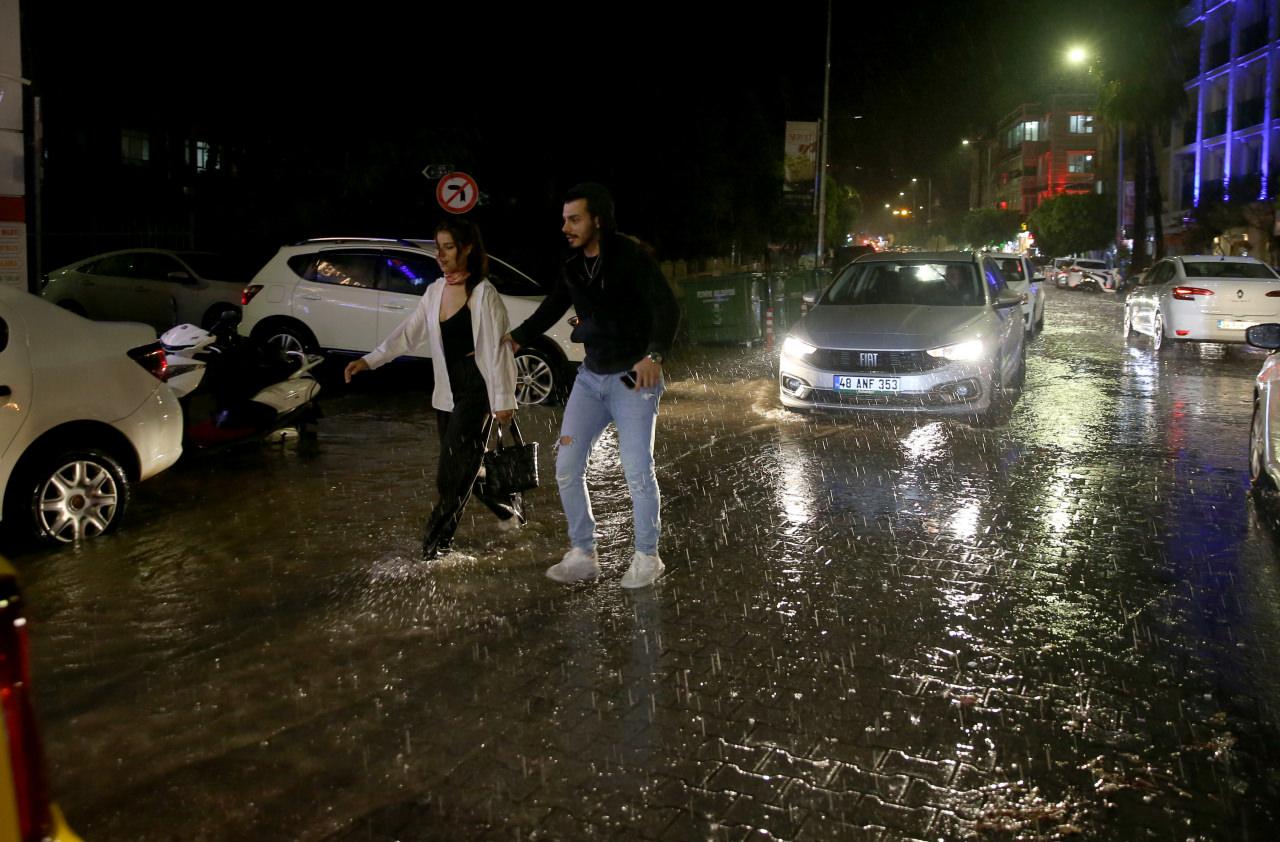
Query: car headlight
(960, 352)
(793, 347)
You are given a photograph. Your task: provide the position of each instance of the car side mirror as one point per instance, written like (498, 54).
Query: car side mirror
(810, 297)
(1264, 336)
(1007, 299)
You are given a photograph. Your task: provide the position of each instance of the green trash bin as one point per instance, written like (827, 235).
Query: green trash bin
(788, 294)
(725, 309)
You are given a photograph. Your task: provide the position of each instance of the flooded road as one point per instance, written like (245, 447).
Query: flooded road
(871, 628)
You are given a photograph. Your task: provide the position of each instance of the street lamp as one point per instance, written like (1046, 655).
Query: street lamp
(1077, 55)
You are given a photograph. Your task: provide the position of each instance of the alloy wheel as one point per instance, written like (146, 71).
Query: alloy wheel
(288, 343)
(1157, 332)
(535, 380)
(79, 500)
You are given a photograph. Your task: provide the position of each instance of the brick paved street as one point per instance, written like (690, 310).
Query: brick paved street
(1062, 626)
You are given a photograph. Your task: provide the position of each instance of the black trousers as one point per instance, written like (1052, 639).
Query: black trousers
(464, 432)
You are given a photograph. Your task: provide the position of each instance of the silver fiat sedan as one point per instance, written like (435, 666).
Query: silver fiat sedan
(915, 332)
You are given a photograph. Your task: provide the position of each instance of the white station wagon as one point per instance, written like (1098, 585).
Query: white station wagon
(346, 295)
(1205, 298)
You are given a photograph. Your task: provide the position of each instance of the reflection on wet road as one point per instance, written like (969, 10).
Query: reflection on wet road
(871, 627)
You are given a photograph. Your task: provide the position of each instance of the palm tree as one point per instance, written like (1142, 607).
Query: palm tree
(1141, 88)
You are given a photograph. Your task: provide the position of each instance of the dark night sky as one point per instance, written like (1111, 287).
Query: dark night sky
(554, 93)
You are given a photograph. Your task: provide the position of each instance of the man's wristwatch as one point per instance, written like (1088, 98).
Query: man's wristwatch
(654, 357)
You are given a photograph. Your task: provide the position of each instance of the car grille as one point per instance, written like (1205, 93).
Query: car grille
(893, 362)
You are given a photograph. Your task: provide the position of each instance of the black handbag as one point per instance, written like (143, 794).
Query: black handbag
(511, 468)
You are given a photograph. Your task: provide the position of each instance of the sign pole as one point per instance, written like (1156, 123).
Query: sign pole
(820, 258)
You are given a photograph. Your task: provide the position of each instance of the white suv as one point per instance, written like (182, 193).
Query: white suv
(1022, 278)
(346, 295)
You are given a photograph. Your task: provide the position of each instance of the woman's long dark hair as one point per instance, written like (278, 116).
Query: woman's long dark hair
(467, 233)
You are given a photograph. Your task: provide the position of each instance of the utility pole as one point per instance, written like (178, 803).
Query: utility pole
(820, 257)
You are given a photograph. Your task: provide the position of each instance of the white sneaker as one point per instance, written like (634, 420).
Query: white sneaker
(644, 570)
(578, 565)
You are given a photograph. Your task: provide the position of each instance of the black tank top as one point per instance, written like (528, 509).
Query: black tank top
(455, 335)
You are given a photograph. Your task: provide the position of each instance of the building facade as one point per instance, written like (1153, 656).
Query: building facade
(1227, 142)
(1038, 151)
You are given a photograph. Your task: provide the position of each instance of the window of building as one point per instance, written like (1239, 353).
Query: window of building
(135, 147)
(204, 156)
(1080, 162)
(1031, 130)
(1081, 124)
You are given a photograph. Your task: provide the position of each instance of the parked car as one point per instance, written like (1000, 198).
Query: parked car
(1083, 270)
(1205, 298)
(933, 332)
(1021, 275)
(1264, 430)
(158, 287)
(27, 811)
(86, 414)
(345, 295)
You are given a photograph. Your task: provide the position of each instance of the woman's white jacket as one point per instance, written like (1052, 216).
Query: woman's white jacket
(488, 326)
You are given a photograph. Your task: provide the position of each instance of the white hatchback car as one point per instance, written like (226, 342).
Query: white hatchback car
(161, 288)
(346, 295)
(85, 413)
(1023, 279)
(1206, 298)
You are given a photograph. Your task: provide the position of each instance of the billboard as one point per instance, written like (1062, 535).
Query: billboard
(13, 239)
(800, 157)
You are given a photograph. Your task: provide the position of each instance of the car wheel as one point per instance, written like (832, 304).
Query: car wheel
(1258, 476)
(536, 378)
(1157, 332)
(1020, 374)
(75, 495)
(289, 338)
(216, 314)
(1040, 318)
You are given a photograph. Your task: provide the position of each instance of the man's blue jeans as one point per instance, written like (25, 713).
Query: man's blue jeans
(596, 400)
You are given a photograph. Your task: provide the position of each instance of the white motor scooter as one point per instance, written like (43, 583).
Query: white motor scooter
(235, 389)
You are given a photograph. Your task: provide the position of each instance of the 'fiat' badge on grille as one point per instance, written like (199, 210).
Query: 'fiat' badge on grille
(868, 359)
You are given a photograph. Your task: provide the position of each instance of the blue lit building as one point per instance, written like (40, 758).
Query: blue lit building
(1227, 144)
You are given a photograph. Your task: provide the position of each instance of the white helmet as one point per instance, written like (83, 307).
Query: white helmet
(186, 338)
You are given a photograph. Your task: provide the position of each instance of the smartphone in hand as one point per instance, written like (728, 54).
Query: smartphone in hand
(629, 379)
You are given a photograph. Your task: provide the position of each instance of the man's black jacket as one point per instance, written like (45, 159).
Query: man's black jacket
(626, 309)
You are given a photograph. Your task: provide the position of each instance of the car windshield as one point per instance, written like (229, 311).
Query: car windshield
(214, 266)
(907, 282)
(1227, 269)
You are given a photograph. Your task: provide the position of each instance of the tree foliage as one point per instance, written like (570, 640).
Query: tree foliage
(988, 226)
(1073, 224)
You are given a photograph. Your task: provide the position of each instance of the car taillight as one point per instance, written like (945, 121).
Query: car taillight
(26, 760)
(247, 294)
(1189, 293)
(151, 357)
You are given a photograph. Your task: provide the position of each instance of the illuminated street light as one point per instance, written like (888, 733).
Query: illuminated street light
(964, 141)
(1077, 55)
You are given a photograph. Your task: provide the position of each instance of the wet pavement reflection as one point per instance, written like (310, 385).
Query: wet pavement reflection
(871, 628)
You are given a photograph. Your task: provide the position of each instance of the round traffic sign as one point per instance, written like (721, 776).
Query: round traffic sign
(457, 192)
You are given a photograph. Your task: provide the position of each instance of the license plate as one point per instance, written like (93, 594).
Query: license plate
(850, 383)
(1228, 324)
